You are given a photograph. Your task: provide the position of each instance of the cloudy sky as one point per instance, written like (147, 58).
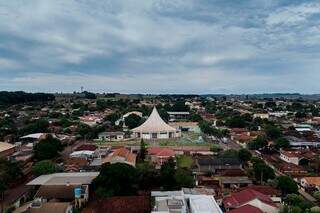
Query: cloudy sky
(160, 46)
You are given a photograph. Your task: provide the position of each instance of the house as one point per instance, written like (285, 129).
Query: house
(250, 197)
(303, 128)
(234, 182)
(155, 128)
(186, 126)
(291, 169)
(86, 147)
(297, 157)
(33, 138)
(64, 187)
(179, 116)
(121, 155)
(303, 142)
(160, 155)
(310, 182)
(91, 120)
(261, 115)
(6, 149)
(246, 209)
(86, 154)
(209, 164)
(111, 136)
(75, 164)
(182, 202)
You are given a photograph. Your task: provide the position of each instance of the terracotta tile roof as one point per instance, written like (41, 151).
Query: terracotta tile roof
(89, 147)
(121, 152)
(132, 204)
(313, 180)
(246, 209)
(161, 152)
(245, 196)
(267, 190)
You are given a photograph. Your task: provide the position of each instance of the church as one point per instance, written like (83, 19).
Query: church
(155, 128)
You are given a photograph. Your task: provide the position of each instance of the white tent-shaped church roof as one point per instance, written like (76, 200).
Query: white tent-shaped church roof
(154, 124)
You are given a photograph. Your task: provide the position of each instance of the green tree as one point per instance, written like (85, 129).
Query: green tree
(117, 179)
(43, 167)
(83, 130)
(244, 155)
(273, 132)
(258, 143)
(143, 150)
(263, 172)
(47, 148)
(236, 122)
(287, 185)
(9, 172)
(316, 195)
(282, 143)
(294, 199)
(196, 117)
(184, 178)
(231, 153)
(167, 175)
(132, 121)
(315, 209)
(147, 175)
(40, 125)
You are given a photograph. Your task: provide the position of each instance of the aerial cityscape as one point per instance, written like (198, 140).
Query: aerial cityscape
(159, 106)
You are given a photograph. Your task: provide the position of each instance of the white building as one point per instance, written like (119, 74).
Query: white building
(179, 201)
(155, 128)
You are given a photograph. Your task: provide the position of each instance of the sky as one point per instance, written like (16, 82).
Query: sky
(160, 46)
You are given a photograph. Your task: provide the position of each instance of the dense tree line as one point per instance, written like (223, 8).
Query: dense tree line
(9, 98)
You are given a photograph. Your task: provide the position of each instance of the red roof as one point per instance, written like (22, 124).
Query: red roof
(161, 152)
(86, 147)
(246, 209)
(245, 196)
(267, 190)
(133, 204)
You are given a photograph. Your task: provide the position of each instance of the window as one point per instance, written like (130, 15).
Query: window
(154, 135)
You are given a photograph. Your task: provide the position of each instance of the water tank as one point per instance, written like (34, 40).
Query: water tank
(77, 192)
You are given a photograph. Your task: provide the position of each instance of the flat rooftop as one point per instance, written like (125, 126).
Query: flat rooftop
(58, 179)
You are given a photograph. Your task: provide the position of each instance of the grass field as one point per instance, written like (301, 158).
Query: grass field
(187, 139)
(184, 161)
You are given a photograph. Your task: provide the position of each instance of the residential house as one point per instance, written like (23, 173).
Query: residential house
(6, 149)
(246, 209)
(111, 136)
(210, 164)
(121, 155)
(64, 187)
(160, 155)
(310, 182)
(297, 157)
(250, 197)
(91, 120)
(179, 116)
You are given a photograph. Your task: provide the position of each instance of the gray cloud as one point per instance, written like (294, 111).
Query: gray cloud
(160, 46)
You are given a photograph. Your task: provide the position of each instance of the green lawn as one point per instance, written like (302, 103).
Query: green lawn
(184, 161)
